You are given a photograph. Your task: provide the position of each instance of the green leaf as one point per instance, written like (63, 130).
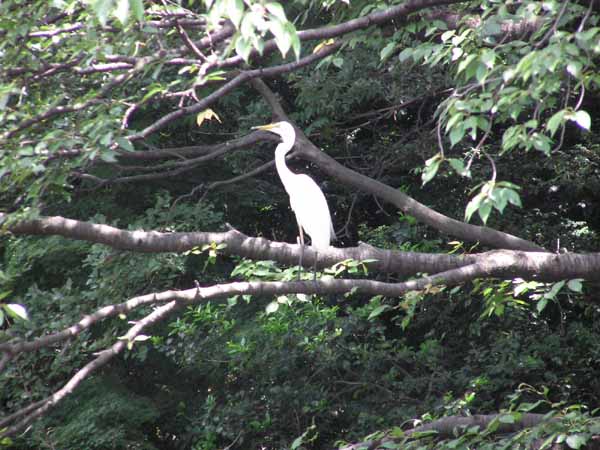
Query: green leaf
(137, 6)
(574, 68)
(473, 206)
(125, 144)
(235, 10)
(459, 167)
(296, 45)
(484, 211)
(292, 34)
(122, 11)
(513, 197)
(282, 38)
(582, 118)
(541, 304)
(277, 10)
(431, 167)
(102, 8)
(575, 285)
(556, 287)
(465, 63)
(378, 311)
(576, 441)
(457, 134)
(108, 157)
(405, 54)
(555, 121)
(447, 35)
(16, 311)
(387, 51)
(297, 442)
(243, 48)
(272, 307)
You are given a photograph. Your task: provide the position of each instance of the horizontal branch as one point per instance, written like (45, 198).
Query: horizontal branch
(263, 288)
(499, 263)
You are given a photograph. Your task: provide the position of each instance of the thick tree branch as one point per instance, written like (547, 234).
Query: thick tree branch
(408, 205)
(499, 263)
(507, 29)
(403, 263)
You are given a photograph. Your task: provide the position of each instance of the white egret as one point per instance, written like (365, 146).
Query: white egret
(306, 198)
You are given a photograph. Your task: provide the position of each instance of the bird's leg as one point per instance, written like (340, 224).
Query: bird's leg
(315, 266)
(301, 251)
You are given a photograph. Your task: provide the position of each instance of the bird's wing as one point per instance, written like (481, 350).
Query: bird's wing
(311, 209)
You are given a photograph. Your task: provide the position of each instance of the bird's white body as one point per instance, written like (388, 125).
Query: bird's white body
(306, 198)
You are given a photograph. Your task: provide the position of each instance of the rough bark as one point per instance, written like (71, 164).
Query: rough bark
(542, 266)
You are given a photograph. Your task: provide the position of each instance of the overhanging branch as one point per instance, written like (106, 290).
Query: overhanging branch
(499, 263)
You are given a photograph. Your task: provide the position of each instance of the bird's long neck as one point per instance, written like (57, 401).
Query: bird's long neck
(282, 168)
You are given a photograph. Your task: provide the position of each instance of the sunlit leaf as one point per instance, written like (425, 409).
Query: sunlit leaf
(431, 167)
(277, 10)
(102, 9)
(582, 118)
(576, 441)
(122, 11)
(322, 45)
(378, 311)
(207, 114)
(282, 37)
(235, 10)
(387, 51)
(16, 311)
(575, 285)
(137, 6)
(272, 307)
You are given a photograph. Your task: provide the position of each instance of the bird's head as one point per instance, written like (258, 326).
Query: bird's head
(283, 129)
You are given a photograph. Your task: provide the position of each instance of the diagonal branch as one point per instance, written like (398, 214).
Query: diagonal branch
(329, 286)
(239, 80)
(408, 205)
(42, 407)
(361, 23)
(177, 299)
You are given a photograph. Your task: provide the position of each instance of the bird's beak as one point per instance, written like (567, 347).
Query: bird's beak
(264, 127)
